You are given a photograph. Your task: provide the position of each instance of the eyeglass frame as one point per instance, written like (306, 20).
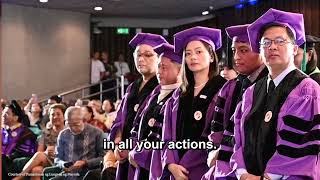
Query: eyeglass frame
(282, 43)
(144, 54)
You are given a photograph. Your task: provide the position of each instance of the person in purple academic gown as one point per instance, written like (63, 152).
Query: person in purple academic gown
(17, 140)
(277, 122)
(146, 63)
(188, 112)
(250, 67)
(151, 117)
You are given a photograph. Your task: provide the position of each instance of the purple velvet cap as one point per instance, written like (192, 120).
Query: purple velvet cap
(294, 21)
(147, 38)
(209, 35)
(238, 33)
(167, 50)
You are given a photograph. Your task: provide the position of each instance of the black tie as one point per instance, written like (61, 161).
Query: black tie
(245, 84)
(271, 87)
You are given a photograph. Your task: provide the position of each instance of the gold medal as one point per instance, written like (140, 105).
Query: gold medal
(197, 115)
(136, 107)
(151, 122)
(268, 116)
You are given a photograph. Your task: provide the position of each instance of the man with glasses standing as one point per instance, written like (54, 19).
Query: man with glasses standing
(277, 123)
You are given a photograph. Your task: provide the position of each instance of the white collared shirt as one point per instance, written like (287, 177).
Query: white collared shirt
(167, 89)
(253, 76)
(281, 76)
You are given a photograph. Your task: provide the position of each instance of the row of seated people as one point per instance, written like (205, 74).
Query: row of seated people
(30, 143)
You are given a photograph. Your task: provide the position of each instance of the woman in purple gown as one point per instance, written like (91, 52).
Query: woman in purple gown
(188, 112)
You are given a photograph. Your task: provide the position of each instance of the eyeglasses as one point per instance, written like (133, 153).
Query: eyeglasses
(278, 41)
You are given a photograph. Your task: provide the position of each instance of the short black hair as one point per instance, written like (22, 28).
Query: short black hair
(288, 30)
(56, 98)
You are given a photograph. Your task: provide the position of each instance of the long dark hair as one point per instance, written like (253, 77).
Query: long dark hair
(312, 64)
(187, 74)
(90, 110)
(111, 103)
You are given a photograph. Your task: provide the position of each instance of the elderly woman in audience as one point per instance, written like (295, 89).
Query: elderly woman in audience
(48, 140)
(17, 140)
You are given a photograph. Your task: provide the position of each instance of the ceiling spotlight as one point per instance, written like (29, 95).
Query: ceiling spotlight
(43, 1)
(205, 13)
(97, 8)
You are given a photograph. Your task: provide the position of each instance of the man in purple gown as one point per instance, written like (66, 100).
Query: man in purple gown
(277, 122)
(251, 69)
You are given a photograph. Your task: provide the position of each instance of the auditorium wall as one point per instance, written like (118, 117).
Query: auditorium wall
(43, 51)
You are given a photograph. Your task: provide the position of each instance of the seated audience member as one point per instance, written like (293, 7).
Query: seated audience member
(17, 140)
(88, 117)
(79, 148)
(96, 106)
(109, 112)
(117, 104)
(22, 103)
(108, 106)
(47, 143)
(34, 111)
(52, 100)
